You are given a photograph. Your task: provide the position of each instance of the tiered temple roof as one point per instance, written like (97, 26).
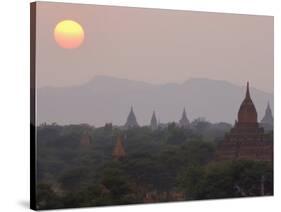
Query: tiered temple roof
(246, 140)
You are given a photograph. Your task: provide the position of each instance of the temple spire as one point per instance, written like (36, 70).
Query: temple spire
(248, 91)
(184, 122)
(247, 112)
(153, 122)
(267, 120)
(131, 120)
(268, 106)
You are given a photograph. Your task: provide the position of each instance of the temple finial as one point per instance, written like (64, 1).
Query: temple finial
(248, 91)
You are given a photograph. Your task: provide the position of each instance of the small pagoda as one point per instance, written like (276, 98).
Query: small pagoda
(131, 120)
(153, 122)
(267, 120)
(184, 122)
(119, 150)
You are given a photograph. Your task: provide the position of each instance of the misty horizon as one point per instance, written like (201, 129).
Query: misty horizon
(154, 83)
(106, 99)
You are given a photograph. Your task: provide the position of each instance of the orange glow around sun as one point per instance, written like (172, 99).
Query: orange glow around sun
(69, 34)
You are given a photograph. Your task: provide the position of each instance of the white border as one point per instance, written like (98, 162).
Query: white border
(14, 112)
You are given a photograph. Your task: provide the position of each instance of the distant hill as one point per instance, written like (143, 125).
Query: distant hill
(108, 99)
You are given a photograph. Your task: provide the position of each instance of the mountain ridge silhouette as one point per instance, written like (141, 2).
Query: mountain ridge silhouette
(108, 99)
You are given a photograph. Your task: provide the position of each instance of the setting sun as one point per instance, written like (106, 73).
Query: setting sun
(69, 34)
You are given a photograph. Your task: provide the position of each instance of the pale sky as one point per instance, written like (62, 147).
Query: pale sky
(154, 45)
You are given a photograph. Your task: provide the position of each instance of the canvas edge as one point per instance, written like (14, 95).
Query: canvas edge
(32, 106)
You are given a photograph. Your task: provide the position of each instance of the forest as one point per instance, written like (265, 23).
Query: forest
(163, 165)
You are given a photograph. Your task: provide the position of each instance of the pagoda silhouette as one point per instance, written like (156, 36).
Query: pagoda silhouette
(131, 120)
(184, 122)
(153, 122)
(246, 140)
(267, 120)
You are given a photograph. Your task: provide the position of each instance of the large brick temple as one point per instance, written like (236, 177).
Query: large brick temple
(247, 139)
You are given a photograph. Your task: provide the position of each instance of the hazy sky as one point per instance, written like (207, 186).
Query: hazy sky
(155, 46)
